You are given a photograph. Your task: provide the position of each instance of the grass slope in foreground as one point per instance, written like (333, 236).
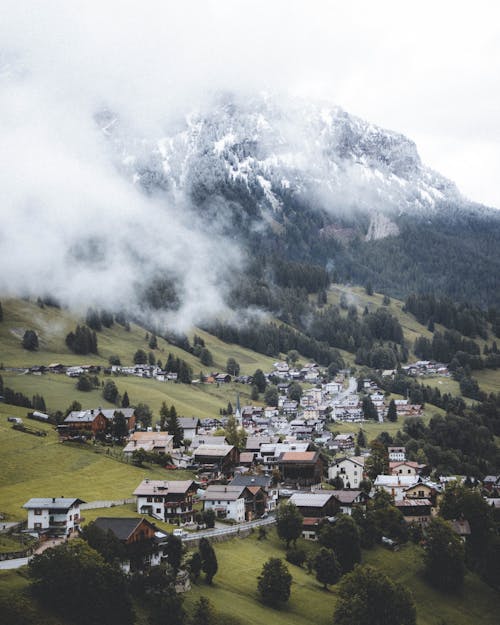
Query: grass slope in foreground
(240, 562)
(35, 466)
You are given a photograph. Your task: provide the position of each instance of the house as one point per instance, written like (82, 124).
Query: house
(153, 442)
(189, 426)
(222, 378)
(396, 454)
(315, 505)
(84, 422)
(247, 458)
(53, 516)
(128, 413)
(228, 502)
(345, 441)
(217, 458)
(166, 500)
(139, 538)
(421, 490)
(462, 528)
(206, 439)
(301, 467)
(418, 511)
(347, 500)
(95, 421)
(405, 468)
(254, 442)
(396, 485)
(351, 470)
(128, 530)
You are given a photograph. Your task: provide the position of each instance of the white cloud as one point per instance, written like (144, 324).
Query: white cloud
(429, 70)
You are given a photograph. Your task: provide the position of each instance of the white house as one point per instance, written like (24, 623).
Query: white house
(166, 499)
(395, 485)
(349, 469)
(228, 502)
(155, 442)
(53, 516)
(396, 454)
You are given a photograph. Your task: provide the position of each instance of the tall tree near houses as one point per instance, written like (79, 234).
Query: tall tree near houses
(209, 563)
(173, 427)
(327, 567)
(392, 413)
(125, 400)
(289, 522)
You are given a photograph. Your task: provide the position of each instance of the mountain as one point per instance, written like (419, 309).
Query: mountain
(309, 182)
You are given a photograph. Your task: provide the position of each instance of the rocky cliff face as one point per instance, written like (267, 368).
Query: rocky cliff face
(270, 151)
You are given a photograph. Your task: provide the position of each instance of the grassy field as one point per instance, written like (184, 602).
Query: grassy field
(43, 467)
(201, 400)
(240, 561)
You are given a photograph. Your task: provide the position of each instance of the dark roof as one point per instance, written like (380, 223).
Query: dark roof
(264, 481)
(121, 527)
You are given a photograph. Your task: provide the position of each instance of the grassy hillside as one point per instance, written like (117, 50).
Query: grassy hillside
(240, 561)
(44, 467)
(53, 324)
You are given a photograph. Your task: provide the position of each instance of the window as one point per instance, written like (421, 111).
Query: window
(38, 511)
(158, 510)
(38, 526)
(149, 499)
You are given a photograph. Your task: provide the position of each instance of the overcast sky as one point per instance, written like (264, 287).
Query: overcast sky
(430, 70)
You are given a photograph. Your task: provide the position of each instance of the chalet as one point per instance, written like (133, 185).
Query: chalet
(128, 530)
(228, 502)
(421, 490)
(189, 426)
(217, 458)
(301, 467)
(396, 454)
(160, 443)
(314, 507)
(128, 413)
(317, 505)
(345, 441)
(166, 499)
(405, 468)
(347, 500)
(396, 485)
(351, 470)
(333, 388)
(415, 510)
(53, 516)
(222, 378)
(264, 481)
(87, 422)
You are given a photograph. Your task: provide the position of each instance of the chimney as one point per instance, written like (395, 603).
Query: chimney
(53, 500)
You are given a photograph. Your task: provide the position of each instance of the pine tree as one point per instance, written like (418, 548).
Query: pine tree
(173, 427)
(208, 560)
(392, 413)
(125, 400)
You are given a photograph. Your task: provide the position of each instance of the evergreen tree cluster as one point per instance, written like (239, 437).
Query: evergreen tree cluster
(466, 318)
(82, 341)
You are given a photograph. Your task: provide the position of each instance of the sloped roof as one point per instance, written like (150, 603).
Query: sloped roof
(54, 503)
(223, 493)
(264, 481)
(163, 487)
(122, 527)
(311, 500)
(299, 456)
(346, 496)
(216, 451)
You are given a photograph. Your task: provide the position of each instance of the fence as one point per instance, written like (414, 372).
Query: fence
(107, 503)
